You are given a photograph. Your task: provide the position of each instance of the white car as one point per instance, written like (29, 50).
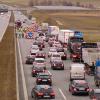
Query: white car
(34, 50)
(40, 62)
(56, 56)
(52, 50)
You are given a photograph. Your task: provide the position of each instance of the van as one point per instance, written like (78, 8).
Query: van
(77, 71)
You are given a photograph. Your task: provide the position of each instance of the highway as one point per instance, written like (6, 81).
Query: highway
(4, 22)
(60, 78)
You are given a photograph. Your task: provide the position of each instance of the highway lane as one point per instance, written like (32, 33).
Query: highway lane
(60, 78)
(4, 21)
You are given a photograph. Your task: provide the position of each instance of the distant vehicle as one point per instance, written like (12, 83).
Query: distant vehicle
(57, 64)
(56, 44)
(64, 36)
(62, 53)
(51, 41)
(74, 43)
(94, 94)
(41, 54)
(18, 24)
(39, 62)
(90, 53)
(77, 71)
(79, 87)
(54, 56)
(42, 92)
(44, 78)
(34, 50)
(52, 51)
(29, 59)
(36, 70)
(53, 30)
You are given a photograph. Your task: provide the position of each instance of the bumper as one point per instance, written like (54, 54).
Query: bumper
(81, 92)
(58, 67)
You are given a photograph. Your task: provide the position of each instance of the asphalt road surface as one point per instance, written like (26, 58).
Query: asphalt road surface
(60, 78)
(4, 21)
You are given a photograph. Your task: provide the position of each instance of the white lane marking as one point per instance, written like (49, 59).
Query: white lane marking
(49, 72)
(62, 94)
(22, 73)
(17, 85)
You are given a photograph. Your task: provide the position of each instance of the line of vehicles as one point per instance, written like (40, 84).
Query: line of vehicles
(60, 42)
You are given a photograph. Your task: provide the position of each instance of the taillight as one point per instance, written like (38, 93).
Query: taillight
(39, 79)
(62, 64)
(52, 94)
(49, 79)
(88, 89)
(74, 55)
(40, 94)
(33, 71)
(94, 98)
(75, 89)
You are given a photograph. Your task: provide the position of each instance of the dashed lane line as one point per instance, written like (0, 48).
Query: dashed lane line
(62, 94)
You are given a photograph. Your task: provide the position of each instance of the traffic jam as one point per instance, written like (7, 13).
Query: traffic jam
(56, 51)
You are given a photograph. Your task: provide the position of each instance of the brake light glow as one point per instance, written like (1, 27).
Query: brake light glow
(39, 79)
(75, 89)
(74, 56)
(33, 71)
(40, 94)
(52, 93)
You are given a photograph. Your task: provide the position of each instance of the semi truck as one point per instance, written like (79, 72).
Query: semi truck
(64, 36)
(90, 52)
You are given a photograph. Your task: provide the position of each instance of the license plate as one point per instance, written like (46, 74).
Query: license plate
(44, 80)
(46, 96)
(81, 88)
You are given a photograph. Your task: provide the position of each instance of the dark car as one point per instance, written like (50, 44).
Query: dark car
(29, 59)
(40, 44)
(36, 70)
(94, 94)
(79, 87)
(44, 78)
(57, 64)
(42, 92)
(40, 54)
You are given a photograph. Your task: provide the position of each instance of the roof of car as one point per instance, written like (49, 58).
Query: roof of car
(80, 81)
(97, 90)
(77, 65)
(39, 59)
(43, 74)
(44, 86)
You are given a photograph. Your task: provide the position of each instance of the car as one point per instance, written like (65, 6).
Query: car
(52, 50)
(54, 56)
(51, 41)
(63, 55)
(41, 54)
(42, 92)
(36, 70)
(34, 50)
(29, 59)
(40, 44)
(57, 64)
(94, 94)
(56, 44)
(44, 78)
(39, 62)
(79, 87)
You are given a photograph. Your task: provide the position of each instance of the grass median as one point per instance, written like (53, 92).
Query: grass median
(7, 65)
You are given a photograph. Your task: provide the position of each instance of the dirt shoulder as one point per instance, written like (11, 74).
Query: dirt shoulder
(7, 65)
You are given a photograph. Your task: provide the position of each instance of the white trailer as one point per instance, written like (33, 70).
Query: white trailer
(90, 55)
(64, 35)
(53, 30)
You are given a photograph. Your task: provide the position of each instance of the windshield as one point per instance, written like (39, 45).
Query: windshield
(44, 76)
(39, 61)
(76, 39)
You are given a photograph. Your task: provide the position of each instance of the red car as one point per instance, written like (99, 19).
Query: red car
(57, 64)
(79, 87)
(40, 54)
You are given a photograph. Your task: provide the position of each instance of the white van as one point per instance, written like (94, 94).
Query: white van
(77, 71)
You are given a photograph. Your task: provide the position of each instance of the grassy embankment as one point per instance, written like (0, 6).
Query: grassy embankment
(85, 21)
(7, 65)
